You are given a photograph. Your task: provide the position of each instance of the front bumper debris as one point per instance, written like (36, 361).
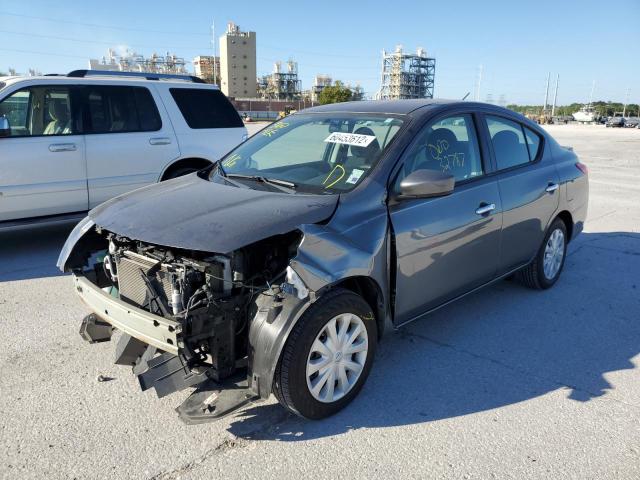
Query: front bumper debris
(149, 328)
(149, 344)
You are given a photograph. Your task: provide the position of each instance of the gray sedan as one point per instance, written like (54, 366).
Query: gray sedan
(278, 269)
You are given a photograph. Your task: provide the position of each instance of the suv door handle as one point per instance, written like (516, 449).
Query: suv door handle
(62, 147)
(160, 141)
(485, 208)
(552, 187)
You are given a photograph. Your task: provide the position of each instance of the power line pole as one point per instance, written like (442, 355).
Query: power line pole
(555, 96)
(478, 84)
(213, 41)
(626, 101)
(546, 95)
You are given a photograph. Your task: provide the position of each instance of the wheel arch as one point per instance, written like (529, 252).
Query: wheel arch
(195, 162)
(369, 289)
(567, 218)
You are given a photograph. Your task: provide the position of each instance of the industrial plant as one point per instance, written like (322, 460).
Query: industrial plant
(407, 75)
(131, 61)
(403, 75)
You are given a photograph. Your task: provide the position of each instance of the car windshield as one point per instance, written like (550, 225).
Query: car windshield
(312, 153)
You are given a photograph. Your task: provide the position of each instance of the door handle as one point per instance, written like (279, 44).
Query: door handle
(62, 147)
(160, 141)
(552, 187)
(485, 208)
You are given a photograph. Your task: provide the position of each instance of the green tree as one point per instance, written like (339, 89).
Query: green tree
(335, 94)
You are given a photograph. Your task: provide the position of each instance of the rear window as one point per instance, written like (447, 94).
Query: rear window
(206, 108)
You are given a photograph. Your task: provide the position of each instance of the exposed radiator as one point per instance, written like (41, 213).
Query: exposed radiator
(132, 286)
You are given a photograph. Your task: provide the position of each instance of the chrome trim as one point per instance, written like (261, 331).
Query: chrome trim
(485, 209)
(552, 187)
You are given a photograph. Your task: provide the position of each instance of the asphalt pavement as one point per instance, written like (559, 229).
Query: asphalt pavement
(506, 383)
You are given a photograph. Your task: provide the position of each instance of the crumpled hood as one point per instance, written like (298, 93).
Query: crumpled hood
(193, 213)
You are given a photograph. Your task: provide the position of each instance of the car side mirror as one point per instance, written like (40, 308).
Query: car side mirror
(426, 184)
(5, 127)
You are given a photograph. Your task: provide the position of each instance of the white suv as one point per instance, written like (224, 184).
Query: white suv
(68, 143)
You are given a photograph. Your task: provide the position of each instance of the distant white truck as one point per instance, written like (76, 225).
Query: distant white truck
(68, 143)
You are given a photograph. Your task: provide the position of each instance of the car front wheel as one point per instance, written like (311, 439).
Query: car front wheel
(328, 355)
(543, 272)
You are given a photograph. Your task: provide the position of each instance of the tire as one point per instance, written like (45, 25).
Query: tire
(179, 172)
(534, 275)
(291, 384)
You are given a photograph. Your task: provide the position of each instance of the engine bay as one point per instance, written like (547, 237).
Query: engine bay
(211, 296)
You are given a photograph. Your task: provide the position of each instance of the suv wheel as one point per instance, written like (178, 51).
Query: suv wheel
(328, 355)
(545, 269)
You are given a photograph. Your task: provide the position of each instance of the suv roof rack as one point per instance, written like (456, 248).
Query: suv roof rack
(146, 75)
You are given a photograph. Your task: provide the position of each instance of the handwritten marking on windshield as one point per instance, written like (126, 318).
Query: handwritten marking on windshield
(274, 129)
(342, 174)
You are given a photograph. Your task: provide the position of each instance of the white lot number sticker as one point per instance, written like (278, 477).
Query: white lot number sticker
(350, 139)
(355, 176)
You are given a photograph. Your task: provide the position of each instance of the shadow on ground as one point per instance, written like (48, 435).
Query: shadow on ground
(503, 345)
(31, 253)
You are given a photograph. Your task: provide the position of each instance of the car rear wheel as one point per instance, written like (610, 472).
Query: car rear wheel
(328, 356)
(546, 268)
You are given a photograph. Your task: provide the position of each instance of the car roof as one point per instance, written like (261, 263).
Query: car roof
(104, 79)
(381, 106)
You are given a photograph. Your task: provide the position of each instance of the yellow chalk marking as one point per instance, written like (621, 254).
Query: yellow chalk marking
(331, 173)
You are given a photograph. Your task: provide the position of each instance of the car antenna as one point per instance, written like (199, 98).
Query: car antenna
(465, 97)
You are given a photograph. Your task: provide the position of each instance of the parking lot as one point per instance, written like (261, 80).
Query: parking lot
(507, 383)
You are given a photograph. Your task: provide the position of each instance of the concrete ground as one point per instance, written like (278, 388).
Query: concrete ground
(507, 383)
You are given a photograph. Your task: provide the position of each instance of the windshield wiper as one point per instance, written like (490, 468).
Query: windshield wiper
(282, 185)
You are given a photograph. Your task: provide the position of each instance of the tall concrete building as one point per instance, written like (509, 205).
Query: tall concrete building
(238, 63)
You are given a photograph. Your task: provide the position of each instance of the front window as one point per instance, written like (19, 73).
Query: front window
(39, 111)
(316, 153)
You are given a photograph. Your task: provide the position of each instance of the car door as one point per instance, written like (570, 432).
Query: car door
(528, 182)
(129, 140)
(42, 166)
(448, 245)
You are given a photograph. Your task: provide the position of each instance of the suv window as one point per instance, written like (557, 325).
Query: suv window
(509, 144)
(114, 109)
(449, 145)
(39, 111)
(206, 108)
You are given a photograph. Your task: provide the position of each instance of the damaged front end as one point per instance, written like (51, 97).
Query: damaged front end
(186, 315)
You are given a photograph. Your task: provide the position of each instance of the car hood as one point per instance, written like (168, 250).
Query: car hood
(196, 214)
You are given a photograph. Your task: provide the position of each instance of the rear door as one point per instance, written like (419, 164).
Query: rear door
(448, 245)
(528, 182)
(129, 139)
(42, 167)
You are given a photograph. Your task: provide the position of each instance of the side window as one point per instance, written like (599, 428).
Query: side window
(121, 110)
(533, 143)
(16, 109)
(509, 144)
(39, 111)
(449, 145)
(206, 108)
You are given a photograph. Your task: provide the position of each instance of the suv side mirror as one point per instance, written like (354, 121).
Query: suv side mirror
(5, 128)
(426, 184)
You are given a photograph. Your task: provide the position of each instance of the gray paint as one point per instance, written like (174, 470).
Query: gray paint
(427, 251)
(193, 213)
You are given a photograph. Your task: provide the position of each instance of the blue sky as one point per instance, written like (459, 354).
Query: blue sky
(518, 43)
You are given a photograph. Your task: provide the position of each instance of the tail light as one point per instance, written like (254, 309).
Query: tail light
(582, 167)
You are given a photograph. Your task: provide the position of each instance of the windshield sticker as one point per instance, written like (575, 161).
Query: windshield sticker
(355, 176)
(342, 173)
(231, 161)
(273, 129)
(350, 139)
